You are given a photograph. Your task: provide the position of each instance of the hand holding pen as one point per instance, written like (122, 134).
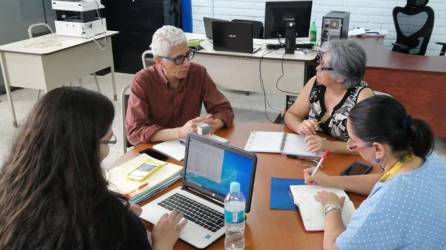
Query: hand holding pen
(324, 156)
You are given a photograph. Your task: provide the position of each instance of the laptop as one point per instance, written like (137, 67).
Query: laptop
(209, 168)
(208, 26)
(233, 36)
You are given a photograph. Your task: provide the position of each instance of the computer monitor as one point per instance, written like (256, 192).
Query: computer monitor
(277, 12)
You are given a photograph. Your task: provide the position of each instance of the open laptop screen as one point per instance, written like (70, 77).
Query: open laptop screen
(211, 166)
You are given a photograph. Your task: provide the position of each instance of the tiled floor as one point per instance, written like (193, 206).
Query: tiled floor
(247, 108)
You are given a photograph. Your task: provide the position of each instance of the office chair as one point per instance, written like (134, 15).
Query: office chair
(413, 24)
(147, 60)
(443, 48)
(257, 27)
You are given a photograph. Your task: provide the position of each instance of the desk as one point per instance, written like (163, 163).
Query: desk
(50, 61)
(266, 228)
(241, 71)
(418, 82)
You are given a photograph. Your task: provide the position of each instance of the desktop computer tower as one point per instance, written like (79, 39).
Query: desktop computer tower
(335, 25)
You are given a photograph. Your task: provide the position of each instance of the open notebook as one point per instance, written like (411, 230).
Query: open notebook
(141, 190)
(311, 210)
(279, 142)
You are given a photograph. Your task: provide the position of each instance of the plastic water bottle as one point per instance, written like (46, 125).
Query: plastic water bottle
(235, 218)
(313, 32)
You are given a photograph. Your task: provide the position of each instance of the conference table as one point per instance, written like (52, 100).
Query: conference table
(418, 82)
(51, 61)
(267, 228)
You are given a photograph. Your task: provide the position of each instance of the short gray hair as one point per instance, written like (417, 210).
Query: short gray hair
(165, 38)
(347, 59)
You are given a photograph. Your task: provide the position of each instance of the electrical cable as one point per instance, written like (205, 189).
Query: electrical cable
(262, 85)
(280, 77)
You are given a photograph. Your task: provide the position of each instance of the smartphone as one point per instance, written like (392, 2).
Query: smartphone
(357, 168)
(143, 171)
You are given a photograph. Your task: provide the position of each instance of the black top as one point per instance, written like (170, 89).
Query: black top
(336, 124)
(122, 229)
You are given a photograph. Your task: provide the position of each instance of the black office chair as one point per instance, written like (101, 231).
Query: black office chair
(443, 48)
(257, 26)
(413, 24)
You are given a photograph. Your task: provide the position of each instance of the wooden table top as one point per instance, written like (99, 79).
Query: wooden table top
(267, 228)
(384, 58)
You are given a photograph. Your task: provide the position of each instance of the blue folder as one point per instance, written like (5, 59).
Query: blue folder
(281, 198)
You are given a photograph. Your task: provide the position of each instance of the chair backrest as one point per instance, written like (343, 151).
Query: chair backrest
(147, 58)
(39, 29)
(413, 24)
(257, 31)
(124, 104)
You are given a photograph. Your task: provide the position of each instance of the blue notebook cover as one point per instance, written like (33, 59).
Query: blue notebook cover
(281, 197)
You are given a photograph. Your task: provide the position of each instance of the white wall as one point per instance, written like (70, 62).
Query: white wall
(376, 14)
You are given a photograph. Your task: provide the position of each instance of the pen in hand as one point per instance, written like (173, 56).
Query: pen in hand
(324, 156)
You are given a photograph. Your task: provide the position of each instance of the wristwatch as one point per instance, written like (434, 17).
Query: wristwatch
(329, 207)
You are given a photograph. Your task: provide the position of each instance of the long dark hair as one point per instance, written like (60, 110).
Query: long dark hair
(383, 119)
(52, 183)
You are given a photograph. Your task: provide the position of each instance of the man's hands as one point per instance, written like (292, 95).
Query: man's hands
(191, 125)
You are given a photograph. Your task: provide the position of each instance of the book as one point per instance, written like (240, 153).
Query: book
(311, 210)
(279, 142)
(174, 149)
(138, 191)
(280, 197)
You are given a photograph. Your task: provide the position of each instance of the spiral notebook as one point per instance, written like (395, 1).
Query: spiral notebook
(279, 142)
(311, 210)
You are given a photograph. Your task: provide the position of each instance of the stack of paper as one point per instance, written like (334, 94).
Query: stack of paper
(311, 210)
(173, 149)
(141, 190)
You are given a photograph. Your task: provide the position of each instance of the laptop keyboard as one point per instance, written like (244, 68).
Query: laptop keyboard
(194, 211)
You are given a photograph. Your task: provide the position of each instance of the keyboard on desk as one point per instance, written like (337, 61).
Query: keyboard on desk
(194, 211)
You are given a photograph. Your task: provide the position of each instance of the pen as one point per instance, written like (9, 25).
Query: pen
(136, 189)
(324, 156)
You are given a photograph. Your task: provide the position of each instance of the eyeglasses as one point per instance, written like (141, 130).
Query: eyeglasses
(178, 60)
(113, 140)
(318, 61)
(351, 147)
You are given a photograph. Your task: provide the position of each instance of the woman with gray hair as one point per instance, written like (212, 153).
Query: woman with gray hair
(326, 100)
(166, 98)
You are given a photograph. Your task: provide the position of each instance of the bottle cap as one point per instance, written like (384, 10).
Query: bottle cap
(234, 187)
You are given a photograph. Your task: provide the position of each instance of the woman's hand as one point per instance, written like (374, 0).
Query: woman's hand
(319, 178)
(329, 198)
(316, 143)
(166, 232)
(136, 209)
(308, 127)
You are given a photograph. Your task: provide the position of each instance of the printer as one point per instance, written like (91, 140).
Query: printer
(79, 18)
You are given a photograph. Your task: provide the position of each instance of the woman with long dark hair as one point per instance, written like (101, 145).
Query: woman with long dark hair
(53, 194)
(406, 207)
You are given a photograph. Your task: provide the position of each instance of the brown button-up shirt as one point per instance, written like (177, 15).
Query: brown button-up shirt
(153, 105)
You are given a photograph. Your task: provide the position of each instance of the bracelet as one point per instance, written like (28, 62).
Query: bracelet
(330, 207)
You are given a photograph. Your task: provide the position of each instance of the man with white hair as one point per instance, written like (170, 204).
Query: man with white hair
(166, 98)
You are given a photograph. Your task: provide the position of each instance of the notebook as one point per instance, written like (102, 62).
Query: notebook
(279, 142)
(311, 210)
(137, 191)
(209, 167)
(280, 196)
(233, 36)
